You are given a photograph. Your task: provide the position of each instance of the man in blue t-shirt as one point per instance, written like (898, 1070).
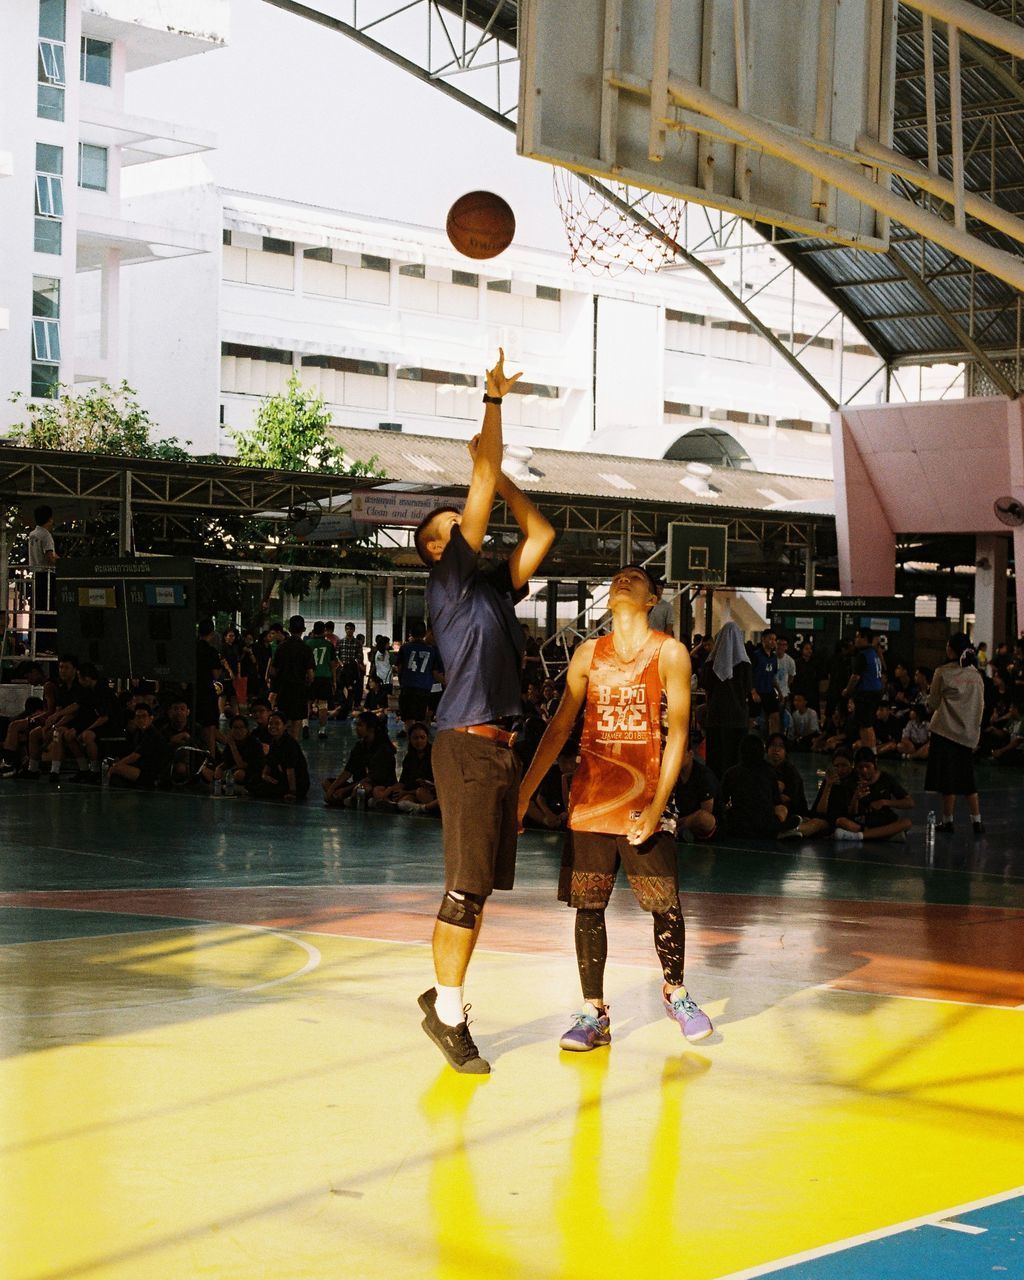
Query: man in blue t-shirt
(865, 684)
(765, 682)
(472, 612)
(419, 668)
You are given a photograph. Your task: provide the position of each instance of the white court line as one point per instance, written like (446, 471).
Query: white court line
(313, 959)
(824, 1251)
(962, 1227)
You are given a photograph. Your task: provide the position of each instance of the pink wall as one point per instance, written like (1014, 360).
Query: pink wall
(935, 467)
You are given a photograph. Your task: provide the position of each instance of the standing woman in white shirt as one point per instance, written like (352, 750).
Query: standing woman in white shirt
(956, 700)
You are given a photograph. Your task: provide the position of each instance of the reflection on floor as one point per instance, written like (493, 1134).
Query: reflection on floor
(211, 1064)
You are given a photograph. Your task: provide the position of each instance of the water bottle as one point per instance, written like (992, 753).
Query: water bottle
(104, 769)
(931, 823)
(217, 787)
(360, 798)
(229, 782)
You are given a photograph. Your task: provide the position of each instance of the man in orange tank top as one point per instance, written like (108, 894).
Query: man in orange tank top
(618, 797)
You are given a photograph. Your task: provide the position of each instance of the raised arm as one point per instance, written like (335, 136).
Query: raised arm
(560, 725)
(487, 456)
(538, 533)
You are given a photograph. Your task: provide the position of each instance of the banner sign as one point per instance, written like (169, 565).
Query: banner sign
(386, 506)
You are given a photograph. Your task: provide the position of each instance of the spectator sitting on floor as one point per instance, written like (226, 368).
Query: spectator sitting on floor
(285, 770)
(887, 731)
(80, 739)
(242, 755)
(1011, 751)
(803, 724)
(361, 770)
(32, 714)
(790, 785)
(375, 698)
(146, 758)
(836, 791)
(840, 731)
(261, 717)
(876, 798)
(749, 804)
(694, 797)
(188, 754)
(913, 745)
(547, 809)
(69, 699)
(414, 792)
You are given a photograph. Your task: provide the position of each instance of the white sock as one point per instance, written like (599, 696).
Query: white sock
(595, 1010)
(449, 1005)
(55, 766)
(33, 766)
(976, 817)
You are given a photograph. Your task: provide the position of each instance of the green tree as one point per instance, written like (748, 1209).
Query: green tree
(104, 419)
(292, 433)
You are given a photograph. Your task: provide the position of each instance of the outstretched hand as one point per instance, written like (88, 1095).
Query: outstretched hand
(498, 381)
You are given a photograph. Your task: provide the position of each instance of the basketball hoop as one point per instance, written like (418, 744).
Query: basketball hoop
(603, 238)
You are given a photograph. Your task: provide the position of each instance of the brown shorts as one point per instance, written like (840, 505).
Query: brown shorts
(478, 786)
(591, 860)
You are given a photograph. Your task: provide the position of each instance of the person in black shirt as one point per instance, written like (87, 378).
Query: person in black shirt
(285, 772)
(357, 766)
(208, 669)
(872, 814)
(376, 697)
(69, 699)
(791, 786)
(888, 731)
(291, 674)
(750, 805)
(694, 798)
(836, 791)
(242, 755)
(260, 729)
(147, 753)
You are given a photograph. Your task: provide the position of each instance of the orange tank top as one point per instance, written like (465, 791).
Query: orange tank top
(620, 749)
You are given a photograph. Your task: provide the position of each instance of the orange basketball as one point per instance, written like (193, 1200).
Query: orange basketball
(481, 224)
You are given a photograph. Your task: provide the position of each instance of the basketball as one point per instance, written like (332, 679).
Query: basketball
(481, 224)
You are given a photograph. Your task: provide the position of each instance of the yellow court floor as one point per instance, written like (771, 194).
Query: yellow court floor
(227, 1101)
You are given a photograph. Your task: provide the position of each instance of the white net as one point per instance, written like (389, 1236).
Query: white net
(603, 238)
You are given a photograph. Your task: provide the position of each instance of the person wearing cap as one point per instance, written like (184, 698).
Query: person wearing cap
(291, 674)
(472, 613)
(618, 798)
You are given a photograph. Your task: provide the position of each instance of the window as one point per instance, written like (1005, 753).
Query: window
(92, 167)
(47, 235)
(51, 62)
(342, 365)
(371, 263)
(270, 245)
(500, 286)
(46, 340)
(46, 297)
(225, 236)
(45, 381)
(737, 415)
(415, 269)
(49, 159)
(802, 424)
(439, 376)
(49, 102)
(243, 352)
(467, 278)
(547, 294)
(51, 19)
(805, 340)
(684, 317)
(49, 196)
(733, 326)
(95, 60)
(320, 253)
(533, 389)
(680, 410)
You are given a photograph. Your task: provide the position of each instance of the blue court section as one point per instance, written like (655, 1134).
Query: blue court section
(931, 1252)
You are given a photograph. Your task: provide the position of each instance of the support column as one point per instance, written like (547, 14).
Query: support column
(709, 611)
(124, 531)
(551, 615)
(581, 605)
(990, 557)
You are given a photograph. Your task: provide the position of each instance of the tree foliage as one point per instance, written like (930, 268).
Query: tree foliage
(104, 420)
(292, 434)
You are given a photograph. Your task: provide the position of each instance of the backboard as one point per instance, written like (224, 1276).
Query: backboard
(697, 554)
(738, 104)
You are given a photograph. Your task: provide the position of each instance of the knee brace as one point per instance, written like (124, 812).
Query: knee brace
(460, 909)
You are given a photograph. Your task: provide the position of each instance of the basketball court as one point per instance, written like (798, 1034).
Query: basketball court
(212, 1063)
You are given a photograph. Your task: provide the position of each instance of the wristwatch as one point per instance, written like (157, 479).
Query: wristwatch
(491, 399)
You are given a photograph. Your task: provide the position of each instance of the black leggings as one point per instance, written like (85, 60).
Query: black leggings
(592, 948)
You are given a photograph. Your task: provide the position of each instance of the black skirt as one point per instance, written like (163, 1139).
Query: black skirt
(950, 769)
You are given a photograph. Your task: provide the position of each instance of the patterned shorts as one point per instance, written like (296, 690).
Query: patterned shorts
(591, 860)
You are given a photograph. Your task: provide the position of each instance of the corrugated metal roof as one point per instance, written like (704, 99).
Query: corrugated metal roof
(432, 462)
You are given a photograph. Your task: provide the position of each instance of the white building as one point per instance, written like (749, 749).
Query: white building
(391, 326)
(69, 233)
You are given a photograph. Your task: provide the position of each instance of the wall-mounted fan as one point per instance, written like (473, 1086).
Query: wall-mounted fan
(302, 521)
(1009, 511)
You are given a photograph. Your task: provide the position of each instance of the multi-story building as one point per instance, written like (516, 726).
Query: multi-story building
(69, 233)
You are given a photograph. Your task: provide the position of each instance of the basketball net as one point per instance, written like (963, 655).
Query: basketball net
(605, 240)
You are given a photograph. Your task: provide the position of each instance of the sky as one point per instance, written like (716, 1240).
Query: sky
(305, 114)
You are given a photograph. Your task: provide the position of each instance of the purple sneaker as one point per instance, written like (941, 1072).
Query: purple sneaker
(693, 1021)
(590, 1030)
